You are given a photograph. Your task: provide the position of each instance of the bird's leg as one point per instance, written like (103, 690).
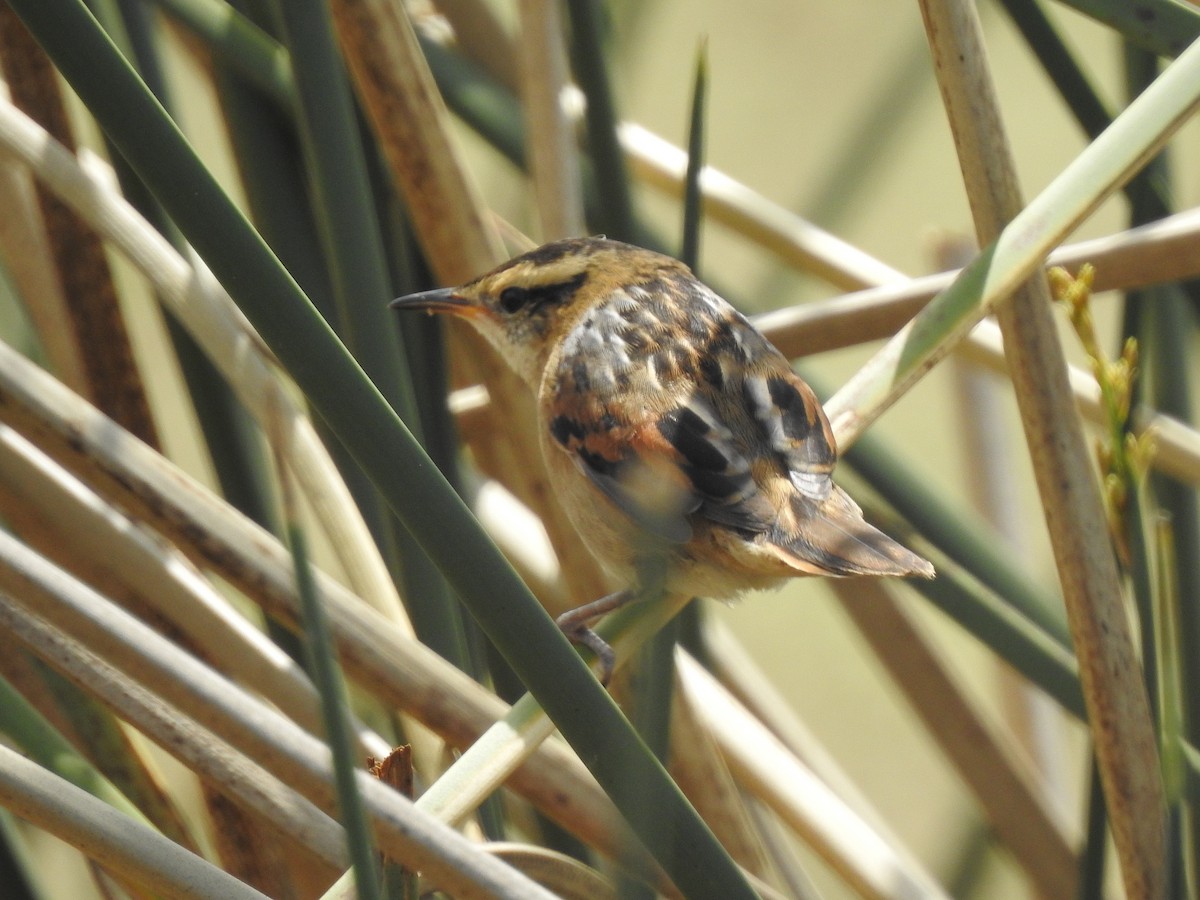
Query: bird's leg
(575, 624)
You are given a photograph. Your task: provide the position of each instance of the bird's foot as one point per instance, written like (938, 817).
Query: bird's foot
(575, 624)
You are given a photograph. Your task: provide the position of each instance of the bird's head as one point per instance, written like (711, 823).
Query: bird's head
(527, 305)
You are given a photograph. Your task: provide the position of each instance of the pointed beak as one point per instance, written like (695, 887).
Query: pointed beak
(440, 300)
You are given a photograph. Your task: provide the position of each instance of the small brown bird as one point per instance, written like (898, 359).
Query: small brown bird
(669, 425)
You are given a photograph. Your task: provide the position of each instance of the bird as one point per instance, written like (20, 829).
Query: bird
(670, 426)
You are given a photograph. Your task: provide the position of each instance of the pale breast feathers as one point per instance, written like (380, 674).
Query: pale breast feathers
(706, 418)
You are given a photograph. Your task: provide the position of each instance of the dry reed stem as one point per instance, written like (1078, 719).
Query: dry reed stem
(411, 122)
(739, 674)
(1031, 717)
(77, 530)
(137, 853)
(116, 656)
(285, 754)
(550, 136)
(482, 38)
(29, 265)
(1113, 686)
(702, 775)
(566, 876)
(1167, 250)
(411, 125)
(798, 242)
(48, 511)
(28, 679)
(212, 759)
(870, 863)
(93, 314)
(1000, 778)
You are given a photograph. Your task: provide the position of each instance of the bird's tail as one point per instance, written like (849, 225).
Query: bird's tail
(830, 537)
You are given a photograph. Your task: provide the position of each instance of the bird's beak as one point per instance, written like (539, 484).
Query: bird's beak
(438, 301)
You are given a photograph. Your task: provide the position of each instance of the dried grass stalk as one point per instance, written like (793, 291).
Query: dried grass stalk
(1112, 680)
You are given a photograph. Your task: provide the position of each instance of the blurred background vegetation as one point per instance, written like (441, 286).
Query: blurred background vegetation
(946, 737)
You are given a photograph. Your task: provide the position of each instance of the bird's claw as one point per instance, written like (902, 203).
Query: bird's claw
(605, 655)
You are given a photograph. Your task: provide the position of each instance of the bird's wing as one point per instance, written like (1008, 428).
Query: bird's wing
(789, 425)
(716, 427)
(657, 467)
(668, 432)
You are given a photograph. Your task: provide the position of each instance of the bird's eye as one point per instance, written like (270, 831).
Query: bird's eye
(513, 298)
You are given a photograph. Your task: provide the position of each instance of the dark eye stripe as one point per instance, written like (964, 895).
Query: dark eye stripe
(517, 297)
